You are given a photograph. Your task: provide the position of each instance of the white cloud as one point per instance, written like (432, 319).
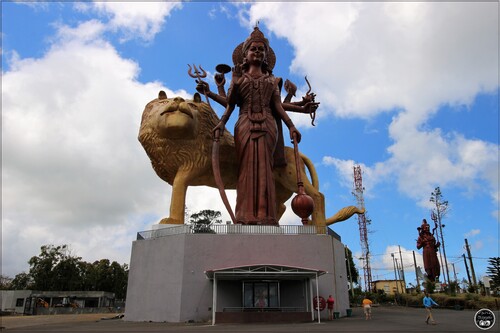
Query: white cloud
(423, 159)
(89, 31)
(34, 4)
(478, 245)
(371, 57)
(472, 233)
(345, 168)
(135, 19)
(387, 260)
(73, 170)
(406, 58)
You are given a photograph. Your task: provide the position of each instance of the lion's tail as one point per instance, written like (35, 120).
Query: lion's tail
(344, 214)
(312, 170)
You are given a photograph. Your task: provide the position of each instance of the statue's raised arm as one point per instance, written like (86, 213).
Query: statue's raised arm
(308, 103)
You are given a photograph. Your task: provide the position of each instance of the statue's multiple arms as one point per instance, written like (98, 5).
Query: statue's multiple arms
(306, 105)
(284, 116)
(204, 88)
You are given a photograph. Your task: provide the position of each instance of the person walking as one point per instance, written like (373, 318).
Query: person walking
(330, 302)
(367, 307)
(428, 303)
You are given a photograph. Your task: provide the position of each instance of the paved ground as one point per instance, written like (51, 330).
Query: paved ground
(385, 319)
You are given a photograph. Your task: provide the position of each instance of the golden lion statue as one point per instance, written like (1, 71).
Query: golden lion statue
(177, 136)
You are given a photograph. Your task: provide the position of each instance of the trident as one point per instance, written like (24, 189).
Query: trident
(199, 75)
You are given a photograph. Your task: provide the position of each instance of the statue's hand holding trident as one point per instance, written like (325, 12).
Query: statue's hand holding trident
(199, 75)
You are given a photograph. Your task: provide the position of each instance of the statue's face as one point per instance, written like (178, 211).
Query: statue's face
(425, 227)
(256, 52)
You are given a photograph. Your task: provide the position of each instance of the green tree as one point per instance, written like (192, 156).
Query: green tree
(22, 281)
(67, 273)
(42, 267)
(55, 268)
(5, 282)
(351, 267)
(88, 275)
(493, 271)
(105, 276)
(119, 278)
(202, 220)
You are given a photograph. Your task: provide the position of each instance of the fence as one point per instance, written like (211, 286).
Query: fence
(224, 229)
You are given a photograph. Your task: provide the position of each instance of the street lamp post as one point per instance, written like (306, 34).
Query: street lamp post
(396, 280)
(395, 274)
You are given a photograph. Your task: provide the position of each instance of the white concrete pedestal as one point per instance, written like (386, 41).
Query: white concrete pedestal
(168, 280)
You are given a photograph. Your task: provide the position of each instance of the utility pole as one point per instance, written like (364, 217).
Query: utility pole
(416, 273)
(395, 276)
(402, 270)
(395, 272)
(398, 279)
(471, 265)
(454, 272)
(467, 269)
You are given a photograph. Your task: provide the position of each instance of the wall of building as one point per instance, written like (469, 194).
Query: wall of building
(167, 280)
(101, 301)
(155, 280)
(340, 288)
(390, 287)
(9, 300)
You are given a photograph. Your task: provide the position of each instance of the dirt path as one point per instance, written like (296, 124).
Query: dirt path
(9, 322)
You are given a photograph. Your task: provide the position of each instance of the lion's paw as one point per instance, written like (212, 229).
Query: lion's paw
(169, 220)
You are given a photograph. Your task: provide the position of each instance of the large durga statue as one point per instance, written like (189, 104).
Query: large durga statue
(177, 133)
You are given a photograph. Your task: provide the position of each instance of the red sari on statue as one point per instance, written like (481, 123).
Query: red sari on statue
(256, 135)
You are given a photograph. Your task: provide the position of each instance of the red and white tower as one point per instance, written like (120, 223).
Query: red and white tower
(363, 230)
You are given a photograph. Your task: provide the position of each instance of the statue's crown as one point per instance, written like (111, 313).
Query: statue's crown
(255, 36)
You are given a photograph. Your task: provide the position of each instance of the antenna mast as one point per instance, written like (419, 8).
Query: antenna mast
(363, 231)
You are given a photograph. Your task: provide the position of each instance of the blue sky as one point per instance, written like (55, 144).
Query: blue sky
(408, 91)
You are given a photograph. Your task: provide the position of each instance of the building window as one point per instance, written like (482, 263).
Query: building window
(261, 294)
(387, 289)
(92, 302)
(19, 302)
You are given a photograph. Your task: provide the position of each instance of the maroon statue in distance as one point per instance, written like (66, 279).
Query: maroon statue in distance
(427, 241)
(258, 131)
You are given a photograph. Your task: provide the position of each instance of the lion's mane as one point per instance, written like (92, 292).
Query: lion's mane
(193, 150)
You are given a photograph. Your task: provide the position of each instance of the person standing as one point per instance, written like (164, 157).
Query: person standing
(428, 303)
(330, 302)
(367, 308)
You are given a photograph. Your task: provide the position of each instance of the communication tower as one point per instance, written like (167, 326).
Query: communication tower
(363, 230)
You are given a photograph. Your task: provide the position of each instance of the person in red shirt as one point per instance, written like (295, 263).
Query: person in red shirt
(330, 301)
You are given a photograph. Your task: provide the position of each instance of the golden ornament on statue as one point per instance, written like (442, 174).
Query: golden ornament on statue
(302, 204)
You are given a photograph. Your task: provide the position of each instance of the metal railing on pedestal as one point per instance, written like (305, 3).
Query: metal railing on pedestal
(225, 229)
